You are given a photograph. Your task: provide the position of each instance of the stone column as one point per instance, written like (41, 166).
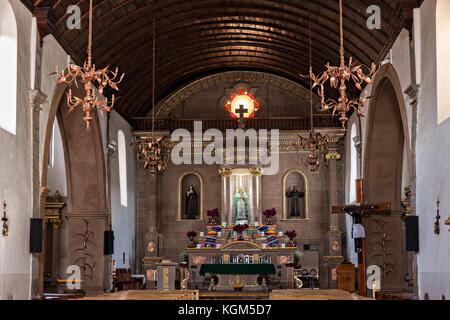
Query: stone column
(147, 238)
(225, 173)
(37, 98)
(256, 183)
(334, 257)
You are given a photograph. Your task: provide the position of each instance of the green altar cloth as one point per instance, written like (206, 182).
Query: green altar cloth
(238, 269)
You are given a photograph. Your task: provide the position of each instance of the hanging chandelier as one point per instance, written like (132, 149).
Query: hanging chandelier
(339, 76)
(316, 145)
(90, 77)
(152, 151)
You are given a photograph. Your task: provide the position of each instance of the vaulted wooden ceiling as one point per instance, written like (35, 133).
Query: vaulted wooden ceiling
(202, 37)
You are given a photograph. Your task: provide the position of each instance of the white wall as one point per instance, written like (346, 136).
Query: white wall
(123, 217)
(433, 168)
(16, 175)
(56, 174)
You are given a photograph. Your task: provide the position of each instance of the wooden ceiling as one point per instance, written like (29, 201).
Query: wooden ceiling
(202, 37)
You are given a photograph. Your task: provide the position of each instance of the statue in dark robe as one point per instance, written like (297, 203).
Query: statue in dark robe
(294, 201)
(191, 207)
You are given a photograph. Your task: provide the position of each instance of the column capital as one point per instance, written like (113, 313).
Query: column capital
(413, 92)
(225, 172)
(36, 99)
(333, 155)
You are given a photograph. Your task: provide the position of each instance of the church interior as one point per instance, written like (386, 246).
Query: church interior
(222, 149)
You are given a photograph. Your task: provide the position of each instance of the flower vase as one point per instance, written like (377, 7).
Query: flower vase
(192, 243)
(241, 236)
(291, 243)
(213, 221)
(269, 221)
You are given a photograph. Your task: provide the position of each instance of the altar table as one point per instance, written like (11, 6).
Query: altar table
(238, 269)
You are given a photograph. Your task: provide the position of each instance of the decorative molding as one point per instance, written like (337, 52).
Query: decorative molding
(233, 77)
(256, 172)
(53, 210)
(333, 155)
(225, 172)
(37, 98)
(413, 93)
(358, 145)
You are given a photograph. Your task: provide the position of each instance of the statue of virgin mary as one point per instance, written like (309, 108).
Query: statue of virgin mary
(240, 206)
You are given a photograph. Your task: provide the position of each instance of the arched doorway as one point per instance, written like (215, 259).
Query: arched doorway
(386, 139)
(87, 215)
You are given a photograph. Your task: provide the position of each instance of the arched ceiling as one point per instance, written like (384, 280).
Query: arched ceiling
(202, 37)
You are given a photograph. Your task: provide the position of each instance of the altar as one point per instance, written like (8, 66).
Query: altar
(242, 264)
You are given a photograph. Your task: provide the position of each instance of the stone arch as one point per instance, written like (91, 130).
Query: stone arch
(87, 207)
(387, 111)
(386, 139)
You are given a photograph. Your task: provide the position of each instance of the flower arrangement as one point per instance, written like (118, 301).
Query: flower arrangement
(291, 235)
(213, 215)
(191, 234)
(192, 242)
(239, 229)
(269, 214)
(212, 233)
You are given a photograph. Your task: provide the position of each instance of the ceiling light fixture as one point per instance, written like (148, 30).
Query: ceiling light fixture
(339, 76)
(90, 77)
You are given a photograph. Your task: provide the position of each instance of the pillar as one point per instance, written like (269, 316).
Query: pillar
(37, 98)
(334, 257)
(225, 173)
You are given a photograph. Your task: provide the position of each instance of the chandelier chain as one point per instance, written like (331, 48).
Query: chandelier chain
(310, 71)
(341, 31)
(89, 48)
(153, 76)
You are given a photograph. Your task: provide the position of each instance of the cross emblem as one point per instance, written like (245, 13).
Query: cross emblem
(241, 111)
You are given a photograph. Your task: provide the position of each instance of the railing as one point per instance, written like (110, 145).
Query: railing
(301, 123)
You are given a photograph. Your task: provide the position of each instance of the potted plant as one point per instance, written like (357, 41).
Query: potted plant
(213, 215)
(291, 235)
(269, 214)
(191, 235)
(239, 229)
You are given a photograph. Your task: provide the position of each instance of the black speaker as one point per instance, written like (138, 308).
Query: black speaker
(108, 244)
(306, 247)
(36, 235)
(412, 233)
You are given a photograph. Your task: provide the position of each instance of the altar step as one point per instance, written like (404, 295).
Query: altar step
(314, 294)
(230, 295)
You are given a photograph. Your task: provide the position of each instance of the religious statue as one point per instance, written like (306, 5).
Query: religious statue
(294, 196)
(191, 207)
(240, 206)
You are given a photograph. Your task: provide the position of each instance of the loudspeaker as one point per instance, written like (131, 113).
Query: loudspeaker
(412, 233)
(36, 235)
(108, 244)
(306, 247)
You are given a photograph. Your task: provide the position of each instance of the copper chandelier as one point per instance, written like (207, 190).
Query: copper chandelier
(90, 77)
(152, 151)
(339, 76)
(316, 145)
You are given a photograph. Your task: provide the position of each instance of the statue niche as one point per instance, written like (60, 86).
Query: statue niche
(294, 188)
(190, 197)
